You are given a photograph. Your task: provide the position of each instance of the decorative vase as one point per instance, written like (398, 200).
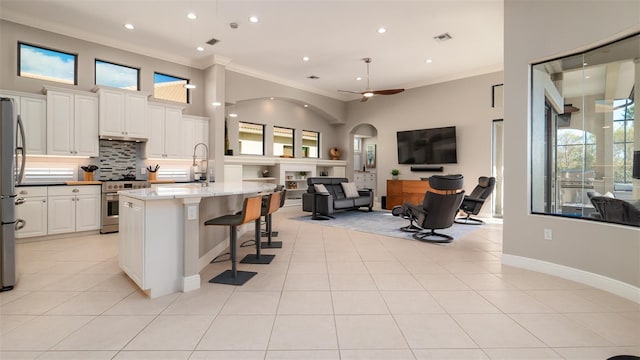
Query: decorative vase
(394, 177)
(88, 176)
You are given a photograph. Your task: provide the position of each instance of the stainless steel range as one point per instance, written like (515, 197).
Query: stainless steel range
(110, 201)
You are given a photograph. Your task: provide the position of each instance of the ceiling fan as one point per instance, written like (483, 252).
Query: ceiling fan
(368, 92)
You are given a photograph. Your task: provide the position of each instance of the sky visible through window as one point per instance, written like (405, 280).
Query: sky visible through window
(115, 75)
(39, 63)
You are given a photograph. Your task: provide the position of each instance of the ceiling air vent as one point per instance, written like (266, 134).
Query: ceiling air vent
(213, 41)
(313, 77)
(443, 37)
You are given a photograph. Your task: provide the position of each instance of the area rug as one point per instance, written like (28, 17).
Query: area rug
(383, 223)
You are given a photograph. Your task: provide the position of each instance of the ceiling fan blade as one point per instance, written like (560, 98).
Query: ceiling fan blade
(351, 92)
(387, 92)
(364, 99)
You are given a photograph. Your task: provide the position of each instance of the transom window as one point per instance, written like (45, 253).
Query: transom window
(168, 87)
(118, 76)
(310, 144)
(282, 141)
(251, 138)
(46, 64)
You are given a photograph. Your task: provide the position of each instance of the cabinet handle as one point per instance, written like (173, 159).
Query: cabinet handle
(24, 192)
(19, 201)
(44, 201)
(75, 190)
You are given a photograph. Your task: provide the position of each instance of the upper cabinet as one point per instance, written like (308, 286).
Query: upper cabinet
(122, 113)
(33, 110)
(195, 129)
(165, 131)
(72, 122)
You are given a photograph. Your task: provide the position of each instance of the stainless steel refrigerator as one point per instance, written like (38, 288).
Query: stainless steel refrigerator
(12, 159)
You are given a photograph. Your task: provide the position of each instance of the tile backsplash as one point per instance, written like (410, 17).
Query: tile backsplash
(117, 158)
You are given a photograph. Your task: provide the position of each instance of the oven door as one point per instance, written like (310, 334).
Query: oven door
(110, 214)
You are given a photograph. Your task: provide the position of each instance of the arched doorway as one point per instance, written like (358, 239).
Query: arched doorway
(364, 138)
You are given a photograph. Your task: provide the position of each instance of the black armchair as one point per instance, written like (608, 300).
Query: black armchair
(616, 210)
(437, 210)
(472, 204)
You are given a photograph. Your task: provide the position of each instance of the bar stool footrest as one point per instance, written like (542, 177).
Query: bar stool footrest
(227, 278)
(253, 259)
(273, 245)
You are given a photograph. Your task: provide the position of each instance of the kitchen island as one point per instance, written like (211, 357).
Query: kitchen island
(163, 241)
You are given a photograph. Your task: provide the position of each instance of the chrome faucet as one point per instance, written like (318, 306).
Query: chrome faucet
(198, 174)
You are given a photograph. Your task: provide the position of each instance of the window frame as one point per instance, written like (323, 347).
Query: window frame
(75, 62)
(293, 139)
(318, 140)
(263, 136)
(188, 93)
(95, 72)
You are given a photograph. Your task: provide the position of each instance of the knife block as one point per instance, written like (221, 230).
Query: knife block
(88, 176)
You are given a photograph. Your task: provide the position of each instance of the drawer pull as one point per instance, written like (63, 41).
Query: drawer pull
(75, 190)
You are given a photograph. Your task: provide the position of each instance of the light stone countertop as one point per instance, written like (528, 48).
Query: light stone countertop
(196, 190)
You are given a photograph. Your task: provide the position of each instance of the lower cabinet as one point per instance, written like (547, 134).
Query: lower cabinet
(73, 208)
(33, 211)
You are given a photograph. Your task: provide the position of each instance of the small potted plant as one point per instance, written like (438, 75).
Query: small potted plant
(395, 173)
(303, 175)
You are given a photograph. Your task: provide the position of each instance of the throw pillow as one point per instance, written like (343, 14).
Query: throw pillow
(320, 188)
(350, 190)
(608, 194)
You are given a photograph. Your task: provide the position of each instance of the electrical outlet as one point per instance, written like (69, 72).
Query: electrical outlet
(548, 234)
(143, 170)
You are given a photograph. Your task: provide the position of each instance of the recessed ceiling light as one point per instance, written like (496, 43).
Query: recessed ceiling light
(253, 19)
(200, 48)
(359, 78)
(606, 127)
(192, 16)
(233, 115)
(305, 105)
(368, 94)
(189, 86)
(216, 103)
(271, 98)
(587, 77)
(382, 30)
(129, 26)
(305, 58)
(428, 61)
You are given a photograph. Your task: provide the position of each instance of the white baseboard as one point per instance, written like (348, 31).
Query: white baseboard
(613, 286)
(191, 283)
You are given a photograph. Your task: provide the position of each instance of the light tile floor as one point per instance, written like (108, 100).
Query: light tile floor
(329, 294)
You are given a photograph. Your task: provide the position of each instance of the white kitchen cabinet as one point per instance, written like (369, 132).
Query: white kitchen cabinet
(72, 123)
(33, 110)
(33, 211)
(195, 129)
(122, 113)
(73, 208)
(132, 239)
(165, 132)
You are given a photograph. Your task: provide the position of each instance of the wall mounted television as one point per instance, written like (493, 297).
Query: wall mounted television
(428, 146)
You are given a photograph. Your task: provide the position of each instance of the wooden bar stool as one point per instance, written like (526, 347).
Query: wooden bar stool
(270, 204)
(273, 244)
(250, 212)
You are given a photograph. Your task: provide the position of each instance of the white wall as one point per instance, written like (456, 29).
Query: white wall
(464, 103)
(536, 31)
(282, 113)
(11, 33)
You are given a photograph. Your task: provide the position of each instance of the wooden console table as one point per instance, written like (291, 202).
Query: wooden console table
(399, 191)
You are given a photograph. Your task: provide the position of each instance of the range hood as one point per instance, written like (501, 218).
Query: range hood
(122, 138)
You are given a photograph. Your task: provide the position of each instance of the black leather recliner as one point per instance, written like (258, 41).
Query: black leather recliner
(437, 210)
(472, 204)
